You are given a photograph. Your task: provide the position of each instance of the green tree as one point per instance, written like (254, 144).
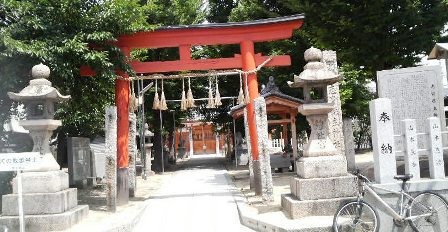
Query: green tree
(367, 35)
(58, 33)
(61, 35)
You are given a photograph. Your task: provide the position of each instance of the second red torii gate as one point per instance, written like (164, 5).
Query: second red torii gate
(184, 37)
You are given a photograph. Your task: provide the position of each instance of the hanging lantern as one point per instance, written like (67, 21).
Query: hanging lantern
(240, 99)
(217, 94)
(211, 101)
(183, 101)
(190, 99)
(163, 105)
(156, 103)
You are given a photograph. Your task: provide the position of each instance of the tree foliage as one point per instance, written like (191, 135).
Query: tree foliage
(368, 36)
(61, 34)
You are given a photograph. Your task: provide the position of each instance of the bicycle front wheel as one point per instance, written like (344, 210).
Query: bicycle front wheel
(356, 216)
(431, 212)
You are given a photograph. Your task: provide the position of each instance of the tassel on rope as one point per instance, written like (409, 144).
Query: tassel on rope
(133, 104)
(217, 94)
(240, 100)
(190, 99)
(183, 101)
(211, 101)
(163, 105)
(246, 98)
(156, 103)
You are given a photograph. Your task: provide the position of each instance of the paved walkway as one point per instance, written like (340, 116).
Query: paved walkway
(196, 198)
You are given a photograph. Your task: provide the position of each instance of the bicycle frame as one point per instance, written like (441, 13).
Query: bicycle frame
(403, 206)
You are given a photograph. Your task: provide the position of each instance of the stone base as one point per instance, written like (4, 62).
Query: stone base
(122, 186)
(49, 222)
(150, 173)
(295, 208)
(40, 203)
(321, 166)
(42, 182)
(257, 177)
(324, 188)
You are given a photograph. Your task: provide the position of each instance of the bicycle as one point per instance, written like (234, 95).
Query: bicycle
(427, 211)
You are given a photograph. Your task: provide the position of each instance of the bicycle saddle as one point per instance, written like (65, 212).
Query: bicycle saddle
(403, 177)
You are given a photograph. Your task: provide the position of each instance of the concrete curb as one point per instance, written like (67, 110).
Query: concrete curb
(248, 214)
(126, 221)
(276, 221)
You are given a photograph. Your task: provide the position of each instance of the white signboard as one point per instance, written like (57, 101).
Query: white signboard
(19, 161)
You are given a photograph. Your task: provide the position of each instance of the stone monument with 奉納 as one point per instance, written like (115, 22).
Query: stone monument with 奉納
(48, 202)
(416, 93)
(322, 181)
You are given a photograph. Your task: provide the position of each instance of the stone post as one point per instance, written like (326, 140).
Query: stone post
(148, 146)
(349, 143)
(435, 158)
(190, 140)
(385, 167)
(132, 154)
(111, 158)
(249, 151)
(261, 117)
(335, 116)
(411, 160)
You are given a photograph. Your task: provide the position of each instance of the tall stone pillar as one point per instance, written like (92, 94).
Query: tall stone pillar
(349, 143)
(249, 151)
(111, 158)
(132, 154)
(335, 116)
(261, 117)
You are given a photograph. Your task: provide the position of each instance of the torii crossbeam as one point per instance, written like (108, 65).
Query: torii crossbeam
(184, 37)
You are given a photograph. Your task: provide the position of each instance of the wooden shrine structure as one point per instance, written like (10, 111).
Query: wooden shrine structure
(277, 103)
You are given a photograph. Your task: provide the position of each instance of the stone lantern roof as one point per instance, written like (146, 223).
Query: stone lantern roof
(39, 88)
(315, 72)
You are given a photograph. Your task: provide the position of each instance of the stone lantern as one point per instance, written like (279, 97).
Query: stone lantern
(314, 81)
(322, 181)
(49, 203)
(148, 147)
(39, 98)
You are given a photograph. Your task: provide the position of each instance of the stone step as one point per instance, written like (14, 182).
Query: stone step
(49, 222)
(324, 188)
(41, 203)
(296, 208)
(42, 182)
(279, 222)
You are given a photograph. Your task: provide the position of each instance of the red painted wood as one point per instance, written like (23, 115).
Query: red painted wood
(122, 102)
(185, 52)
(205, 64)
(209, 36)
(247, 53)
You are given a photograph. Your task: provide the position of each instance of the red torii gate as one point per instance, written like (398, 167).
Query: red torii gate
(243, 33)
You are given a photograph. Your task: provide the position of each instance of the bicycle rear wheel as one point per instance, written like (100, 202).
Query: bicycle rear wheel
(433, 204)
(356, 216)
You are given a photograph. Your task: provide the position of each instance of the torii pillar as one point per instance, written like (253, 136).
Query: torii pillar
(122, 102)
(248, 63)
